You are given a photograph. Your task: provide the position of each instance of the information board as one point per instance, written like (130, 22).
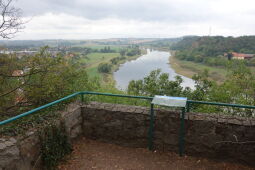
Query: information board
(170, 101)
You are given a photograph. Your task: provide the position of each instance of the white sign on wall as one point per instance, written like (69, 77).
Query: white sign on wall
(170, 101)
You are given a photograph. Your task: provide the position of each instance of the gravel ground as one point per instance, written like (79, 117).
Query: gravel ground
(91, 154)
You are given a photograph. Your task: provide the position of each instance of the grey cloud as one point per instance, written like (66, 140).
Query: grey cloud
(146, 10)
(166, 17)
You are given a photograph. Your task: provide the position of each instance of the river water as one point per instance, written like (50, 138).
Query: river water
(142, 66)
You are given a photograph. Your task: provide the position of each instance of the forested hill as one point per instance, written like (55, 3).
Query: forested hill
(212, 46)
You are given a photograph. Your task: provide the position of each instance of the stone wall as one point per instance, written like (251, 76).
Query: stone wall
(214, 135)
(23, 152)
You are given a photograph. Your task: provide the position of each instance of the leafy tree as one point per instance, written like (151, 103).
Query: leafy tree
(36, 80)
(202, 86)
(107, 50)
(123, 52)
(157, 83)
(117, 59)
(104, 67)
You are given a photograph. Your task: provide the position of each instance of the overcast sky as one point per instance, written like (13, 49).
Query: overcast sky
(87, 19)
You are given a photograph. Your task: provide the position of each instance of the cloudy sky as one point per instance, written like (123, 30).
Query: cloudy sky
(87, 19)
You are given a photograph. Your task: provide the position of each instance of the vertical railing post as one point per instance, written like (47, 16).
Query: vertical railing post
(82, 98)
(151, 128)
(182, 129)
(188, 106)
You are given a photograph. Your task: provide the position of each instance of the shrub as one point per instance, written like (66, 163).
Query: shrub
(54, 145)
(104, 68)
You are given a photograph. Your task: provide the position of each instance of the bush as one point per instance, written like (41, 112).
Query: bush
(104, 68)
(54, 145)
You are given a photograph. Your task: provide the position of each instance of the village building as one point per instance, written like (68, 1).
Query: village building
(19, 92)
(240, 56)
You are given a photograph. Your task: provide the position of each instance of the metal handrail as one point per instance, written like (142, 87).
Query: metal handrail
(218, 104)
(117, 95)
(152, 118)
(66, 98)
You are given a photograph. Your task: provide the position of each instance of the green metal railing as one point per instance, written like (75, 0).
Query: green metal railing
(189, 102)
(66, 98)
(152, 116)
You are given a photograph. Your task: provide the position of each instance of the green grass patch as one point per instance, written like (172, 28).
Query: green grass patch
(188, 69)
(91, 62)
(97, 58)
(113, 47)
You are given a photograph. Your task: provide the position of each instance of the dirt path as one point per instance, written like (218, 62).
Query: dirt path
(90, 154)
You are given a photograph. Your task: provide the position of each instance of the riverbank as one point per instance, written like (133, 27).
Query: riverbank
(109, 77)
(94, 59)
(189, 69)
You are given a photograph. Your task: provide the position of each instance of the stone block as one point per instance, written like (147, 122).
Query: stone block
(76, 131)
(171, 139)
(9, 156)
(235, 121)
(73, 118)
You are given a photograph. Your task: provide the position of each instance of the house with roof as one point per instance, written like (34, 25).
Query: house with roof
(242, 56)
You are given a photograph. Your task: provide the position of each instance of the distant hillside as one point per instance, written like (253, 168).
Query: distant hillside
(210, 50)
(212, 46)
(38, 43)
(28, 44)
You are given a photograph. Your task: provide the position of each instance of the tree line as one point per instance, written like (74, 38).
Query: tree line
(210, 50)
(239, 88)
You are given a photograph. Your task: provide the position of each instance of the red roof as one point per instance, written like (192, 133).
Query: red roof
(17, 73)
(243, 55)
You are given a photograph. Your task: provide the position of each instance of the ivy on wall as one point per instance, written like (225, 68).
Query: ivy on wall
(54, 145)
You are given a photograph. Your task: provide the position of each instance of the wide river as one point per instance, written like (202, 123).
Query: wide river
(142, 66)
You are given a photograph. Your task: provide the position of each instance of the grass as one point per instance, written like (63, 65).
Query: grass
(91, 62)
(188, 69)
(97, 58)
(113, 47)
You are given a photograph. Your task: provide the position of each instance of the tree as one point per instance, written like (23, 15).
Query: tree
(10, 22)
(123, 52)
(104, 67)
(157, 83)
(230, 55)
(36, 80)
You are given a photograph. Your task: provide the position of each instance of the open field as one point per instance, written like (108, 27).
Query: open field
(188, 69)
(92, 61)
(113, 47)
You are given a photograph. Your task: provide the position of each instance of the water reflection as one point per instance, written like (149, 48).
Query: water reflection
(141, 67)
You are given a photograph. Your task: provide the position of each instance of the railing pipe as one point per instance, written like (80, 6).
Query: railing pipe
(151, 129)
(118, 95)
(220, 104)
(38, 108)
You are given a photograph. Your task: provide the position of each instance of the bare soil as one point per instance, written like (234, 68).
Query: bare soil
(91, 154)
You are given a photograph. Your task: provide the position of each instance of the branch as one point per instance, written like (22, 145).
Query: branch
(11, 21)
(9, 92)
(25, 75)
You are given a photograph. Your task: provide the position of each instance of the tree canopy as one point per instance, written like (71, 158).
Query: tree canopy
(36, 80)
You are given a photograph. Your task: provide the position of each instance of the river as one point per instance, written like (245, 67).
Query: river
(142, 66)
